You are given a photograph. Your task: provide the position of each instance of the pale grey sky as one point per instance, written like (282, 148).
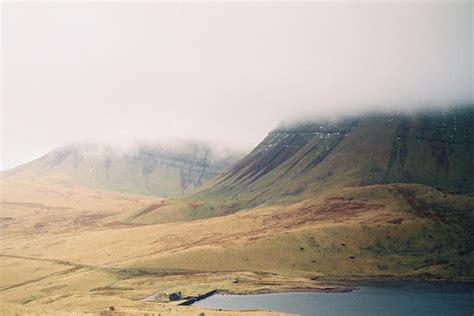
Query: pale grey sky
(220, 72)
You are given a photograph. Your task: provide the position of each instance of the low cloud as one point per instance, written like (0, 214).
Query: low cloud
(224, 73)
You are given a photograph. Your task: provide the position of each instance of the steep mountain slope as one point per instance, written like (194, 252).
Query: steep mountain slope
(147, 169)
(301, 161)
(296, 162)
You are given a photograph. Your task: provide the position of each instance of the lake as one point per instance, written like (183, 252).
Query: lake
(388, 298)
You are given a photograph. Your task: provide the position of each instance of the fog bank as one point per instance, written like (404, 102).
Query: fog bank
(224, 73)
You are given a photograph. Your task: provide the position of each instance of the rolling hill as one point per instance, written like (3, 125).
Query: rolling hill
(160, 170)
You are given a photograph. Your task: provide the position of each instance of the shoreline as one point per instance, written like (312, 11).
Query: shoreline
(204, 296)
(341, 285)
(290, 290)
(381, 279)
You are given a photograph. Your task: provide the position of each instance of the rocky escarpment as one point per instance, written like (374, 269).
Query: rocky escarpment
(192, 166)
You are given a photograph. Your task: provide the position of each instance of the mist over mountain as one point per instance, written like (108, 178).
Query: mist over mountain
(208, 76)
(302, 160)
(151, 169)
(155, 153)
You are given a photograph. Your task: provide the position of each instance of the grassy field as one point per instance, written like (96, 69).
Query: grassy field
(68, 248)
(64, 249)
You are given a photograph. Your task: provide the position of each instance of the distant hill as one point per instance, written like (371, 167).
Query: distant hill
(146, 169)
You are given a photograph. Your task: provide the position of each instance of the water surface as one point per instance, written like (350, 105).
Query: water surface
(392, 298)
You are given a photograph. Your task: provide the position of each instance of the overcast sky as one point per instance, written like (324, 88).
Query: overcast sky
(226, 73)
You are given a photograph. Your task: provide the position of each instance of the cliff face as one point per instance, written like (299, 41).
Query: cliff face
(147, 169)
(435, 149)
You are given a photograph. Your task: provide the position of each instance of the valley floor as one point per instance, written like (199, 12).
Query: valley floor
(69, 249)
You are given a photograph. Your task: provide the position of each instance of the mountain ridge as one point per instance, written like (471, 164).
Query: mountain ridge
(150, 169)
(298, 162)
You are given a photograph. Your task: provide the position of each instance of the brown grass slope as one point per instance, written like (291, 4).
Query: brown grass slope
(64, 250)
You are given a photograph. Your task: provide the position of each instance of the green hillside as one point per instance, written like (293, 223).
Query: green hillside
(301, 161)
(297, 162)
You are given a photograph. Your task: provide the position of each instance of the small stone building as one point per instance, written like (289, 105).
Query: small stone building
(176, 296)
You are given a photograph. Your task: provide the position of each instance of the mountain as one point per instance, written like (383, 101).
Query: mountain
(302, 160)
(377, 195)
(316, 203)
(160, 170)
